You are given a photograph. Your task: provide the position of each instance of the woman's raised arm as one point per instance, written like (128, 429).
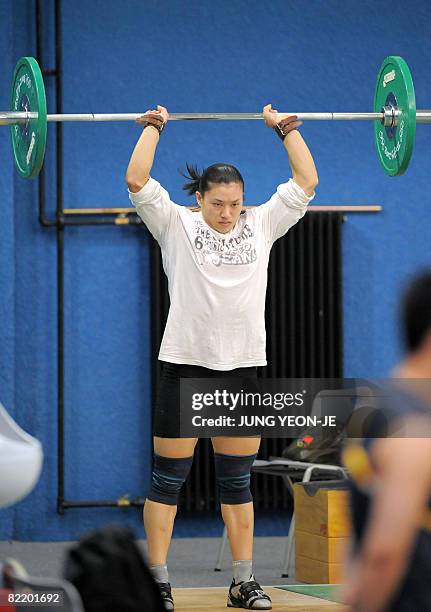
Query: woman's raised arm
(141, 162)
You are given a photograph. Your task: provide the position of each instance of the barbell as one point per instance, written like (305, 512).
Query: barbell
(395, 116)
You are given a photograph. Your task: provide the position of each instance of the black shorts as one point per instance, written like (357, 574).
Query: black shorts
(166, 417)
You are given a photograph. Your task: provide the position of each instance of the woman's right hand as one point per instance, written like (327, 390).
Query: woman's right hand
(270, 116)
(284, 123)
(155, 117)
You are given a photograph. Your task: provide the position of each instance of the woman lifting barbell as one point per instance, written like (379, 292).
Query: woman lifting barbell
(215, 327)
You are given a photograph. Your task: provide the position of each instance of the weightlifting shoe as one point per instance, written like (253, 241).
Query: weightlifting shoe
(248, 595)
(166, 593)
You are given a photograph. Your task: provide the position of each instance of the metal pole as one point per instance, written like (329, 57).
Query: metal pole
(21, 117)
(10, 118)
(423, 116)
(221, 117)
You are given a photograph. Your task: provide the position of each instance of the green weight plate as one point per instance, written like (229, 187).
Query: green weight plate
(395, 87)
(29, 139)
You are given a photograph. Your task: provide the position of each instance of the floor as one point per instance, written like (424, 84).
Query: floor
(191, 560)
(214, 600)
(196, 586)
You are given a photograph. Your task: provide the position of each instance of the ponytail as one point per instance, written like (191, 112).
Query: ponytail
(193, 184)
(215, 174)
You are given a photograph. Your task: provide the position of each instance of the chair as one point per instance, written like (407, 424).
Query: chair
(15, 578)
(21, 458)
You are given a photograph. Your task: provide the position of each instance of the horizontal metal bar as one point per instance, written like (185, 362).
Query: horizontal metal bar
(99, 211)
(423, 116)
(131, 211)
(344, 208)
(172, 117)
(11, 118)
(104, 503)
(102, 220)
(22, 117)
(222, 117)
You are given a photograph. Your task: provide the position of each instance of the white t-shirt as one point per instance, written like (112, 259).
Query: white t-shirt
(217, 282)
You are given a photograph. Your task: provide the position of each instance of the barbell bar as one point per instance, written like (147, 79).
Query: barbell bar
(9, 118)
(395, 116)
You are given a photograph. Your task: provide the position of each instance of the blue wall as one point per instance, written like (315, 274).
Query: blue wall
(7, 245)
(194, 56)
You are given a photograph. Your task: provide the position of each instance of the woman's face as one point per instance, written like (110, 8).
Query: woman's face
(221, 206)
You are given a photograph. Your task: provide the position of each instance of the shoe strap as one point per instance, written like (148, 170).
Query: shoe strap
(253, 589)
(165, 589)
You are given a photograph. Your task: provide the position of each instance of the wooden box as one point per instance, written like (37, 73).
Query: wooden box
(322, 531)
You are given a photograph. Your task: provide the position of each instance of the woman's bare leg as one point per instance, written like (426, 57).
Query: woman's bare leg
(159, 518)
(238, 518)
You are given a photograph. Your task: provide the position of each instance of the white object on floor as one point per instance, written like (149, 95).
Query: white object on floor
(21, 458)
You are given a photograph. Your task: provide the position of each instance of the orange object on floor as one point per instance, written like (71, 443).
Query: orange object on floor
(322, 531)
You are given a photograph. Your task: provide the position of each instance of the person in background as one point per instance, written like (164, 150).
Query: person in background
(391, 479)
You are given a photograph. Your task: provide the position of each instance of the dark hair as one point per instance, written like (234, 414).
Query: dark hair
(416, 310)
(217, 173)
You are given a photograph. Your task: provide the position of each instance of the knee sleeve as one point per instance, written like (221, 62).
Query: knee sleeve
(168, 477)
(233, 477)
